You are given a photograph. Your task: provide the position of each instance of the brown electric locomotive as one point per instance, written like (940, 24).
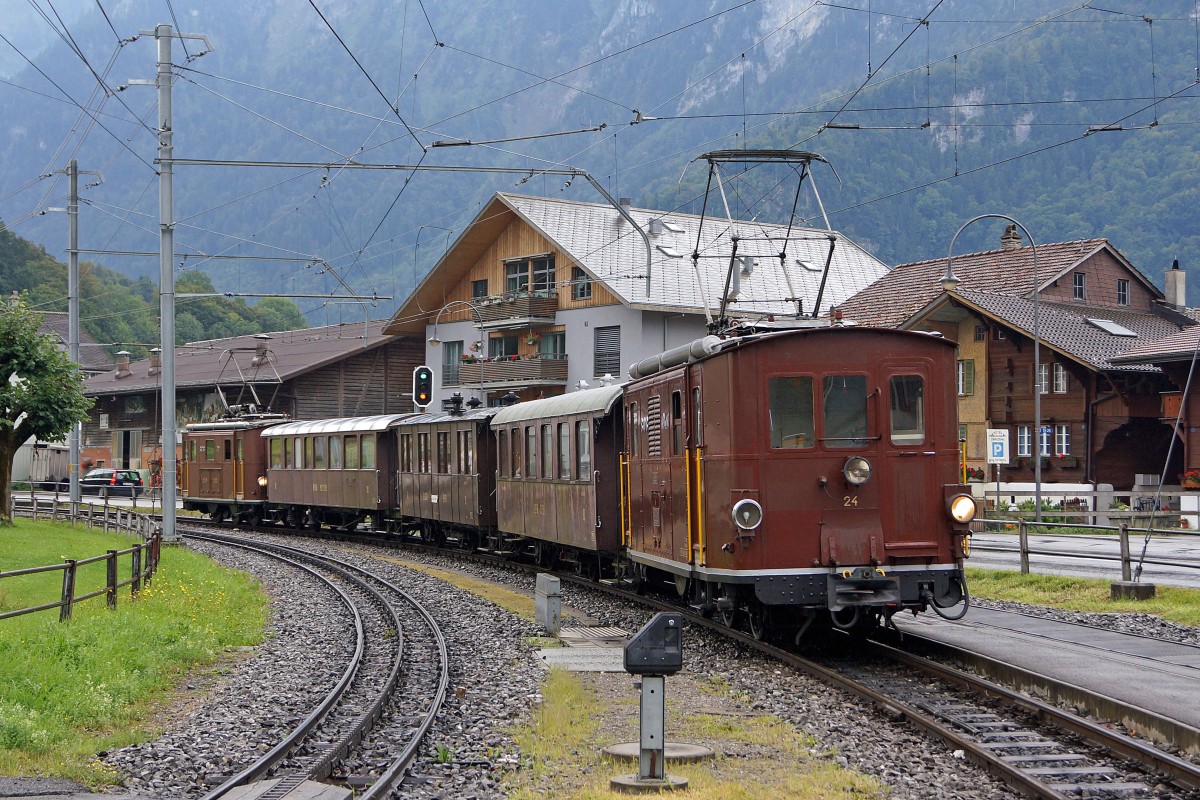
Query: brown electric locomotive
(224, 466)
(776, 474)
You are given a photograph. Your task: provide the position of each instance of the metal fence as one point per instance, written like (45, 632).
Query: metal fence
(143, 557)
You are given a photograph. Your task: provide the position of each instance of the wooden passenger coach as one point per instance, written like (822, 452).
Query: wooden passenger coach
(558, 470)
(446, 474)
(333, 471)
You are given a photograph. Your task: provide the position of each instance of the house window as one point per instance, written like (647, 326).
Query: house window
(608, 351)
(502, 346)
(553, 345)
(1122, 292)
(516, 277)
(980, 333)
(581, 284)
(966, 377)
(1062, 440)
(1079, 285)
(479, 288)
(1024, 441)
(998, 334)
(1043, 378)
(521, 275)
(451, 357)
(1060, 379)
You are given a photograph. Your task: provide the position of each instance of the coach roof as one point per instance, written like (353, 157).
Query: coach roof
(588, 401)
(373, 424)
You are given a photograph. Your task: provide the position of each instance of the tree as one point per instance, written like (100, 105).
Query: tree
(41, 394)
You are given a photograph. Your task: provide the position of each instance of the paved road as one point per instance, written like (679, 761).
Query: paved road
(1093, 556)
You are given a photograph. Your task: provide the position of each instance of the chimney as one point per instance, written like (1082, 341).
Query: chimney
(123, 365)
(624, 202)
(155, 361)
(1010, 239)
(260, 350)
(656, 227)
(1176, 287)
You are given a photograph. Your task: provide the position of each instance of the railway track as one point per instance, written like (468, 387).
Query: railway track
(390, 691)
(1038, 749)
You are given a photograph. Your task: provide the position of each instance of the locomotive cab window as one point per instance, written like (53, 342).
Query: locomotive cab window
(907, 409)
(228, 449)
(210, 450)
(790, 403)
(844, 410)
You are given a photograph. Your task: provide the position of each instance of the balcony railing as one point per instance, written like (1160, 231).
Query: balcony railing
(517, 310)
(504, 371)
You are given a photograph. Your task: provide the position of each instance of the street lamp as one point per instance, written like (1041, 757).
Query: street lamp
(949, 281)
(434, 341)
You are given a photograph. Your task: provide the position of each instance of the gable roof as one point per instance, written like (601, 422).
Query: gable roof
(594, 237)
(92, 357)
(1064, 328)
(292, 353)
(1180, 345)
(908, 288)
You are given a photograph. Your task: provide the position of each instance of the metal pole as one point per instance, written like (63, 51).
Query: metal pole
(166, 276)
(73, 436)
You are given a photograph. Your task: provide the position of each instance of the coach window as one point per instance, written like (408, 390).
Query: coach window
(335, 452)
(406, 463)
(515, 440)
(907, 409)
(320, 451)
(298, 450)
(531, 452)
(210, 450)
(502, 453)
(790, 406)
(547, 451)
(422, 452)
(677, 423)
(351, 451)
(366, 451)
(466, 453)
(583, 450)
(276, 453)
(308, 452)
(634, 430)
(443, 452)
(288, 452)
(564, 451)
(844, 408)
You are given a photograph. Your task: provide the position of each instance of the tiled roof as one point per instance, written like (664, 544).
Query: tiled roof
(607, 248)
(92, 357)
(292, 353)
(910, 287)
(1065, 328)
(603, 244)
(1181, 345)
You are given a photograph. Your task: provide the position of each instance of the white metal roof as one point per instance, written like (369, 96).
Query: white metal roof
(587, 401)
(378, 422)
(608, 248)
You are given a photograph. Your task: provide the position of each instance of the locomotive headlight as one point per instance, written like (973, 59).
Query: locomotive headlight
(262, 481)
(962, 508)
(747, 514)
(857, 470)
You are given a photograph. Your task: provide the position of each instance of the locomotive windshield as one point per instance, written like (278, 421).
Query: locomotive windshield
(791, 410)
(844, 403)
(907, 409)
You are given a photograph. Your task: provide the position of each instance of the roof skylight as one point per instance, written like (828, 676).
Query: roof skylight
(1110, 327)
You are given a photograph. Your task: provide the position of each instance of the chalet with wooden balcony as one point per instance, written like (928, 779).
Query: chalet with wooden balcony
(1099, 418)
(538, 296)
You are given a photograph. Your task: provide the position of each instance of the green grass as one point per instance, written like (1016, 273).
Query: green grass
(1082, 594)
(70, 690)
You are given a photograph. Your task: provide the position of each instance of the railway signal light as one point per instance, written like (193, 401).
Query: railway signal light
(422, 386)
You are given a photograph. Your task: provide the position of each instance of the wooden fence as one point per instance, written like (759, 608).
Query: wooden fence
(143, 557)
